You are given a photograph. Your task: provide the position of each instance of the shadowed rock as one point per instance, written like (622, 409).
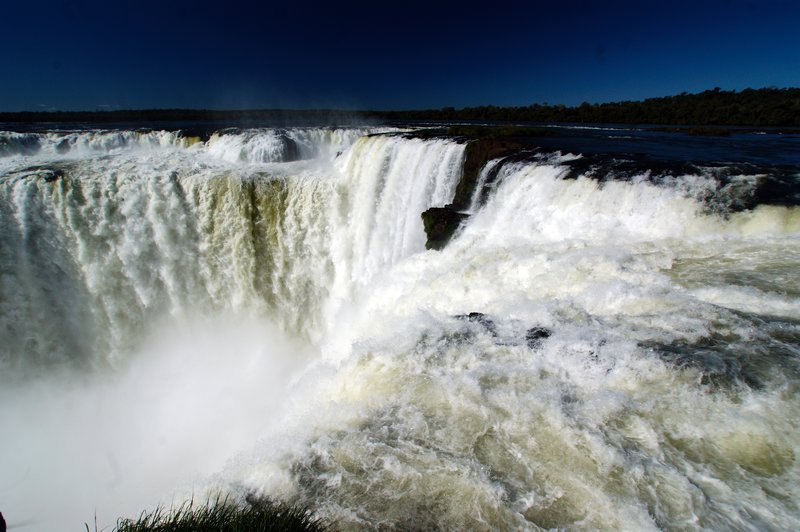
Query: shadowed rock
(715, 366)
(536, 335)
(441, 224)
(477, 154)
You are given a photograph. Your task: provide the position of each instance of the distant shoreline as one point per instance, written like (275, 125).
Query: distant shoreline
(747, 108)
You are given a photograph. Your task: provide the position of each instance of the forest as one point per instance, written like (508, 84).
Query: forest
(767, 107)
(751, 107)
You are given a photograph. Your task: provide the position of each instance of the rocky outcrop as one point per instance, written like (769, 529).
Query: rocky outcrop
(441, 224)
(197, 134)
(534, 337)
(480, 318)
(477, 154)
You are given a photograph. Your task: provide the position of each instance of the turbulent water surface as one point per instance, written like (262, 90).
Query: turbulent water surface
(605, 344)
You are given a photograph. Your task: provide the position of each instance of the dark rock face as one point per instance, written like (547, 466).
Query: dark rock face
(202, 134)
(778, 187)
(441, 224)
(477, 154)
(536, 335)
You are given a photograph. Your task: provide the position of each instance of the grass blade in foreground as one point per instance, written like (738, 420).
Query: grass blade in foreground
(223, 515)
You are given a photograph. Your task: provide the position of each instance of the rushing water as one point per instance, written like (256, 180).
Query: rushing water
(257, 314)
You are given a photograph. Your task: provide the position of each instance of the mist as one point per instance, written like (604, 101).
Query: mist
(115, 443)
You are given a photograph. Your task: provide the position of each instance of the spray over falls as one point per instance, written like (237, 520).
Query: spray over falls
(256, 312)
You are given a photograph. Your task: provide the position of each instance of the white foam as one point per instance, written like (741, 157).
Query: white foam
(278, 145)
(82, 143)
(748, 299)
(193, 275)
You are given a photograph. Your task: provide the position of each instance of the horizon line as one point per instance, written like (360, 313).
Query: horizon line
(103, 108)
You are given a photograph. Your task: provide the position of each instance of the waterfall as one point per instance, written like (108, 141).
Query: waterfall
(255, 313)
(96, 249)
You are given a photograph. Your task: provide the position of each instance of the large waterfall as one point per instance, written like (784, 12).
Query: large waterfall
(256, 313)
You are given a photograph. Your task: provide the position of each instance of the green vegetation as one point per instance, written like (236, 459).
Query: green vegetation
(244, 118)
(221, 515)
(750, 107)
(770, 107)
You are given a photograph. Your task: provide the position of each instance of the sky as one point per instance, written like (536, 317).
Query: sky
(234, 54)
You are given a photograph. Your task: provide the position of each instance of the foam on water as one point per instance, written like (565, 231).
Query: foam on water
(277, 145)
(233, 146)
(468, 423)
(584, 354)
(82, 143)
(141, 294)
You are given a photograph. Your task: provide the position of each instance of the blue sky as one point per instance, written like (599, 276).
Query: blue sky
(231, 54)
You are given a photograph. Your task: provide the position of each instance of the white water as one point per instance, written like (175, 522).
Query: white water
(269, 145)
(197, 319)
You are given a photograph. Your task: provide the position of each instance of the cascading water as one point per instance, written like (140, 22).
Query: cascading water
(152, 234)
(257, 314)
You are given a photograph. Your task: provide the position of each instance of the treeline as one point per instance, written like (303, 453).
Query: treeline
(750, 107)
(273, 117)
(769, 107)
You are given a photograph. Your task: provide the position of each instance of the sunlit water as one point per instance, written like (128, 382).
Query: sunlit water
(253, 314)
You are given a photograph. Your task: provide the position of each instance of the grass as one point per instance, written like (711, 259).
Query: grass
(222, 515)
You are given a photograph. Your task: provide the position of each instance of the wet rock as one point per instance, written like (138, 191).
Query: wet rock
(716, 366)
(477, 154)
(441, 224)
(196, 134)
(481, 319)
(536, 336)
(777, 187)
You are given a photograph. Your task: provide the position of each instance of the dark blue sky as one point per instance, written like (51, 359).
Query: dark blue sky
(86, 55)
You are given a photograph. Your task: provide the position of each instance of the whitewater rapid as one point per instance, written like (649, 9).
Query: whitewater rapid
(256, 313)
